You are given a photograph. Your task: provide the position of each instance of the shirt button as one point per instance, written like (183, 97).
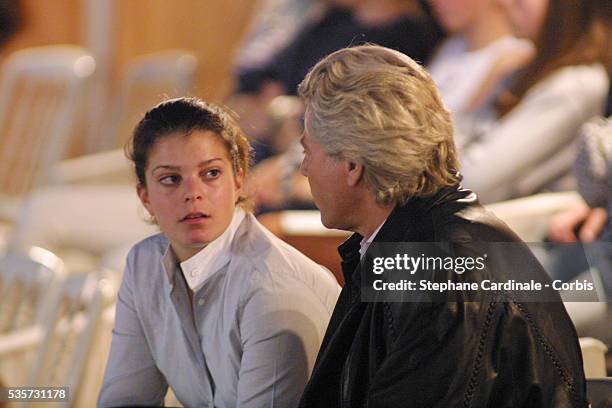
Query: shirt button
(200, 302)
(193, 274)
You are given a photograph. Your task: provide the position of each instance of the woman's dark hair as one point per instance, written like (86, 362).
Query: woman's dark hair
(570, 35)
(185, 115)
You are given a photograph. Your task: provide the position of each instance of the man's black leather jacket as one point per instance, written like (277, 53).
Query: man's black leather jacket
(446, 354)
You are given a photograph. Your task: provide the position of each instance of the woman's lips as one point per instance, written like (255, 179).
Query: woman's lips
(194, 218)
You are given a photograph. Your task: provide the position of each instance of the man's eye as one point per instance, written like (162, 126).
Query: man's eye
(169, 180)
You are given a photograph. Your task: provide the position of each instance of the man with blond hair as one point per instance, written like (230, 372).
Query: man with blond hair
(381, 162)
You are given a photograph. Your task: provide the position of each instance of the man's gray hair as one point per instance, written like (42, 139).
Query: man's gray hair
(377, 107)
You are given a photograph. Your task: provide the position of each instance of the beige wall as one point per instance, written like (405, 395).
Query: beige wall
(212, 28)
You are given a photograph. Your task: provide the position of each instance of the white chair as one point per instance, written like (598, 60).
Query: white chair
(108, 167)
(41, 93)
(94, 372)
(28, 284)
(593, 357)
(70, 331)
(148, 80)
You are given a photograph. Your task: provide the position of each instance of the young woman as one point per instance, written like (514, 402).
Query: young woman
(470, 65)
(523, 143)
(214, 306)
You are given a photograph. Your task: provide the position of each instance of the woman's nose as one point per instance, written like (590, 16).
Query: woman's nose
(193, 189)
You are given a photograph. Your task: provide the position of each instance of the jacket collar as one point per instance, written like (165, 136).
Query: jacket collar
(407, 223)
(349, 252)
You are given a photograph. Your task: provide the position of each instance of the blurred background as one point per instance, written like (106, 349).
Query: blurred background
(116, 32)
(529, 105)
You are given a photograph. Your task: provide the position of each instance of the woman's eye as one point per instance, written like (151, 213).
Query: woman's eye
(169, 180)
(213, 173)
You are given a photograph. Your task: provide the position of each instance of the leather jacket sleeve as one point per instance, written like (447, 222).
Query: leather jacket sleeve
(463, 351)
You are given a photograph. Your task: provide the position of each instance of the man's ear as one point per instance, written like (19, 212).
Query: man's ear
(144, 197)
(354, 173)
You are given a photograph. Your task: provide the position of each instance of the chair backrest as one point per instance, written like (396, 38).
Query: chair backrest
(148, 80)
(593, 357)
(29, 281)
(70, 332)
(41, 92)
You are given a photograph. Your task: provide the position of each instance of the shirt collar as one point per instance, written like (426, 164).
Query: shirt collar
(365, 242)
(207, 261)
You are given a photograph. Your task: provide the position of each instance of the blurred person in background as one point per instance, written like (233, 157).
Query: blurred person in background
(593, 169)
(471, 65)
(516, 133)
(579, 245)
(585, 230)
(274, 25)
(214, 306)
(397, 24)
(523, 143)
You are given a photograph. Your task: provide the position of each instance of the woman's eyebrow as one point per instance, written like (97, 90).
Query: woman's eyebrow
(165, 167)
(206, 162)
(176, 168)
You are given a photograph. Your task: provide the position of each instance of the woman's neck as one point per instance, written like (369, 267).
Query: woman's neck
(489, 29)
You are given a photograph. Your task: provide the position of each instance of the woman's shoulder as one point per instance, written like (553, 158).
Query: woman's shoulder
(143, 271)
(255, 243)
(269, 269)
(154, 243)
(149, 251)
(270, 257)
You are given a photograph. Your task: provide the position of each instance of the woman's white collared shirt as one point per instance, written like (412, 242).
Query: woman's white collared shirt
(249, 338)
